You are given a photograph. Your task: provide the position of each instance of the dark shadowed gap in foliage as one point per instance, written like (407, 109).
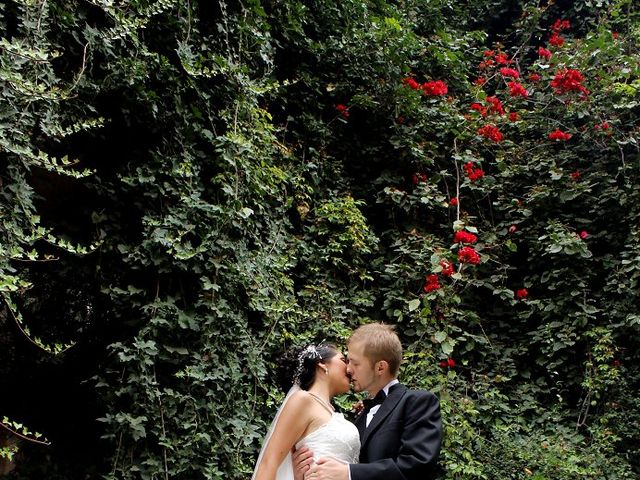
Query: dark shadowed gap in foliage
(50, 393)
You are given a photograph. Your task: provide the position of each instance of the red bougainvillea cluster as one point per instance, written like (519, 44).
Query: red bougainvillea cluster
(559, 135)
(473, 173)
(491, 132)
(448, 363)
(507, 72)
(564, 81)
(492, 58)
(433, 88)
(556, 40)
(568, 80)
(544, 53)
(431, 283)
(343, 110)
(468, 255)
(462, 236)
(517, 90)
(494, 107)
(522, 294)
(417, 178)
(447, 268)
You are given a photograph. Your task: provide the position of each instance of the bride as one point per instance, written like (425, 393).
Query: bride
(307, 418)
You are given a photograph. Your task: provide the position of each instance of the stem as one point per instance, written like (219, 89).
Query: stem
(24, 437)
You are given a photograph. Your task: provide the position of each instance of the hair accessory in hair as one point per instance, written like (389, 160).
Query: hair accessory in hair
(308, 353)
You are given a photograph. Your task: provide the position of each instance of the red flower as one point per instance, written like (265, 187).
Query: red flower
(502, 59)
(522, 294)
(447, 268)
(603, 126)
(479, 108)
(437, 87)
(418, 178)
(575, 175)
(513, 117)
(509, 72)
(534, 77)
(560, 25)
(411, 83)
(559, 135)
(468, 255)
(464, 237)
(556, 40)
(496, 105)
(480, 81)
(491, 132)
(517, 90)
(448, 363)
(472, 172)
(615, 35)
(568, 80)
(431, 283)
(513, 229)
(489, 53)
(453, 202)
(343, 110)
(583, 234)
(544, 53)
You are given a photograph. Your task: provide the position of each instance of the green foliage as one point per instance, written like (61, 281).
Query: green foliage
(191, 189)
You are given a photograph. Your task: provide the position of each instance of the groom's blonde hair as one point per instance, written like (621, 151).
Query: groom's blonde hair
(380, 342)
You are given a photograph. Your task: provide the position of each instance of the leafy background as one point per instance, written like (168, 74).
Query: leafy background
(189, 189)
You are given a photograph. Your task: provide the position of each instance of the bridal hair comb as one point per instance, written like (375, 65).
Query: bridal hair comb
(308, 353)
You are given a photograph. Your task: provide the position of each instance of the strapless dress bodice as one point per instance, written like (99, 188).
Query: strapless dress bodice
(338, 438)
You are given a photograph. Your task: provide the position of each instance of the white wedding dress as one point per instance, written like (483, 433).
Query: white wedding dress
(338, 438)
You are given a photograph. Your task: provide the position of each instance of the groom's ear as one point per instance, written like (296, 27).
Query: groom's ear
(382, 366)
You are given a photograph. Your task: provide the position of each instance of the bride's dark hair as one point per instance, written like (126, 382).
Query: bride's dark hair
(299, 365)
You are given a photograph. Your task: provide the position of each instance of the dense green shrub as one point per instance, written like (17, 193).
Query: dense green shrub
(190, 189)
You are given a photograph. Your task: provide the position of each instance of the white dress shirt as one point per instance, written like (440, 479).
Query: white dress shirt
(375, 408)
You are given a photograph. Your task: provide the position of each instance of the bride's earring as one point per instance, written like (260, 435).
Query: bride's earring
(326, 371)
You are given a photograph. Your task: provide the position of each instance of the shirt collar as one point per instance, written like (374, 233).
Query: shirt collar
(389, 385)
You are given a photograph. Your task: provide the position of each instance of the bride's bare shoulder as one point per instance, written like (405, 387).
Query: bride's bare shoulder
(299, 407)
(300, 399)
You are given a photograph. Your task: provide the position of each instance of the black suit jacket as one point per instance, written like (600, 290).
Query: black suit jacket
(403, 440)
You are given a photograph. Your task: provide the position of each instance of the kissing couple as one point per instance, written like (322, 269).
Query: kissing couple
(396, 435)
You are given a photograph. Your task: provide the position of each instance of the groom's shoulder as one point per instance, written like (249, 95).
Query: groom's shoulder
(418, 394)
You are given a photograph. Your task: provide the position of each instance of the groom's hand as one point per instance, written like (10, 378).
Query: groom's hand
(328, 469)
(302, 459)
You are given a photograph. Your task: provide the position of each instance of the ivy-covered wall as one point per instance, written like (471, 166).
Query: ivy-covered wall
(190, 189)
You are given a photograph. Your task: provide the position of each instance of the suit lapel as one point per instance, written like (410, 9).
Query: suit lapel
(361, 423)
(385, 409)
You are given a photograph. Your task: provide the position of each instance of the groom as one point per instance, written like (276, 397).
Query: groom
(400, 429)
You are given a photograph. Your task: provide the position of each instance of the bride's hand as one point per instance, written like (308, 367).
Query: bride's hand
(357, 407)
(302, 459)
